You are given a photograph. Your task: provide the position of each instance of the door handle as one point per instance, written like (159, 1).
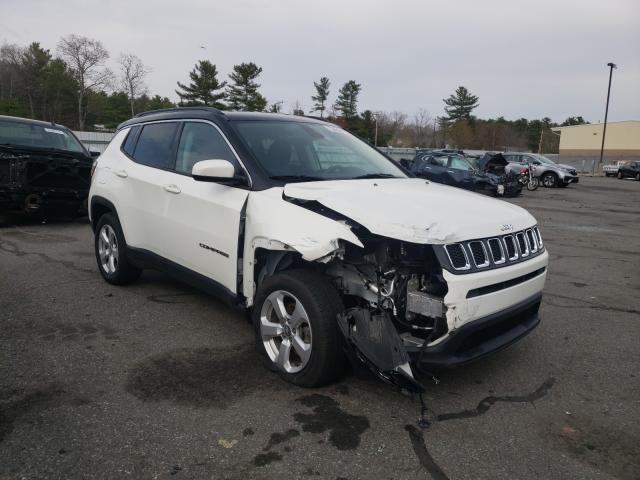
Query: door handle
(121, 173)
(172, 188)
(450, 171)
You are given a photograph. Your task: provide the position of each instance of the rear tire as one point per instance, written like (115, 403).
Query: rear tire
(638, 177)
(295, 311)
(110, 250)
(549, 180)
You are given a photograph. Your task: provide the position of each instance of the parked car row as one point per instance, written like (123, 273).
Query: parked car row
(492, 173)
(623, 169)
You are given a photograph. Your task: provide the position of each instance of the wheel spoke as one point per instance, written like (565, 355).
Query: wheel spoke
(279, 308)
(269, 329)
(302, 349)
(284, 353)
(298, 316)
(105, 237)
(112, 264)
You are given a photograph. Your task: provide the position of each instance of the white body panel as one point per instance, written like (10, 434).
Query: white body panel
(462, 310)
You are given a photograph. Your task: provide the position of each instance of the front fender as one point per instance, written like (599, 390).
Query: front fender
(273, 223)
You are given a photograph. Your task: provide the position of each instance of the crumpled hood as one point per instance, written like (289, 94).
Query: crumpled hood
(415, 210)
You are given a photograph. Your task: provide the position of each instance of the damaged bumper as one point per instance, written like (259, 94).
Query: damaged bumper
(481, 337)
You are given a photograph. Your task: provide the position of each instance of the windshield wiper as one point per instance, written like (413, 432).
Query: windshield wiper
(374, 175)
(296, 178)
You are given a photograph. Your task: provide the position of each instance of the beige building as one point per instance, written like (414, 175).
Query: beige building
(583, 142)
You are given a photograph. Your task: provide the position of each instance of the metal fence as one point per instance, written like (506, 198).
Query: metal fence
(95, 140)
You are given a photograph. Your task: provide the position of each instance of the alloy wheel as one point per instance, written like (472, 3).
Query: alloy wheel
(108, 249)
(286, 331)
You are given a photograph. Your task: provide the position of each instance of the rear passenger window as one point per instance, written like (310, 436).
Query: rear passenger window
(201, 141)
(154, 146)
(130, 141)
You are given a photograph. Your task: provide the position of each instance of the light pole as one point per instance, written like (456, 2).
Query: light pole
(606, 112)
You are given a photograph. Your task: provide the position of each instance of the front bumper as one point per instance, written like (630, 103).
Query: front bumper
(481, 337)
(570, 179)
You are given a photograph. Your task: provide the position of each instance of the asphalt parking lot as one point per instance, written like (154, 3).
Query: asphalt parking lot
(157, 380)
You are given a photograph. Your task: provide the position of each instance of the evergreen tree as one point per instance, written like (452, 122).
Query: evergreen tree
(573, 121)
(460, 105)
(322, 93)
(243, 93)
(347, 101)
(204, 89)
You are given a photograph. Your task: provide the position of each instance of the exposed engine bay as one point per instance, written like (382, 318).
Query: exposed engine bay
(393, 293)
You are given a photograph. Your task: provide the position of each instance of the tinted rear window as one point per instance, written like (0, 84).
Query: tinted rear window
(130, 142)
(155, 145)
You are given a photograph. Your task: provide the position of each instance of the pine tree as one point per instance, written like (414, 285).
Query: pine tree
(322, 93)
(204, 89)
(347, 101)
(460, 105)
(243, 93)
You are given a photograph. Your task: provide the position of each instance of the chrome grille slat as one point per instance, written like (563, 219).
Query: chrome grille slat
(457, 254)
(510, 245)
(522, 244)
(533, 245)
(495, 243)
(479, 254)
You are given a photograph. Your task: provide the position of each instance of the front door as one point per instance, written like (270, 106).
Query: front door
(203, 218)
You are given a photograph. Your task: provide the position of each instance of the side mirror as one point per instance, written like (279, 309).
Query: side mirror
(94, 153)
(535, 162)
(214, 171)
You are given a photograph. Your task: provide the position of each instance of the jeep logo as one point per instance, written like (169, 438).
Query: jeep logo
(507, 227)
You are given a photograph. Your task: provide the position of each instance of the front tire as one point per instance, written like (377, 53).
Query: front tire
(620, 175)
(638, 177)
(110, 250)
(296, 329)
(550, 180)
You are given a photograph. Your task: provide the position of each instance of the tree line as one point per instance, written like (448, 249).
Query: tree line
(74, 86)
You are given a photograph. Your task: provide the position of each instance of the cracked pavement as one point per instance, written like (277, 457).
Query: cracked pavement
(157, 380)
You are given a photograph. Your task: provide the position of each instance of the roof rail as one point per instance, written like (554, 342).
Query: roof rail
(174, 109)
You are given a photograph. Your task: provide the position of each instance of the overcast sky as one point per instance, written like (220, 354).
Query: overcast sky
(522, 58)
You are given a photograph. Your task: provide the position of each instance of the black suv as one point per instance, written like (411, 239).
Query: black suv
(43, 167)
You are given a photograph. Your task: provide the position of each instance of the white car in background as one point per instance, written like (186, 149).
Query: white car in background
(336, 251)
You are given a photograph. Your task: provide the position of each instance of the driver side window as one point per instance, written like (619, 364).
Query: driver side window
(201, 141)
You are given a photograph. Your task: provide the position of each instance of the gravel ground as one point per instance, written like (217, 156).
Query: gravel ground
(157, 380)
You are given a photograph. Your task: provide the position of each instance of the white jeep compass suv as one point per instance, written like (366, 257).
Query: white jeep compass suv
(337, 251)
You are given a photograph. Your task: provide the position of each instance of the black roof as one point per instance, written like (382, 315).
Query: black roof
(30, 121)
(210, 113)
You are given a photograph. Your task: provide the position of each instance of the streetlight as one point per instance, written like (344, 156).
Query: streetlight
(606, 112)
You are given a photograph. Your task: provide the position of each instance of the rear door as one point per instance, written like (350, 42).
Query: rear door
(142, 178)
(202, 219)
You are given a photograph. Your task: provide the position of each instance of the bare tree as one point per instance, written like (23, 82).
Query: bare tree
(421, 121)
(10, 70)
(86, 58)
(133, 75)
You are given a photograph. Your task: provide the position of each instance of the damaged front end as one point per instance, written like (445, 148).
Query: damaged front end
(33, 181)
(394, 297)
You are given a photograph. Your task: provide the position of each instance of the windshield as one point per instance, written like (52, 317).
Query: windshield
(301, 151)
(543, 159)
(28, 135)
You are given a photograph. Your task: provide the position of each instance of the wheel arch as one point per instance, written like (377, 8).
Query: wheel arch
(98, 207)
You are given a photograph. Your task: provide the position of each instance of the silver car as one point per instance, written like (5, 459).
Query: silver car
(550, 173)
